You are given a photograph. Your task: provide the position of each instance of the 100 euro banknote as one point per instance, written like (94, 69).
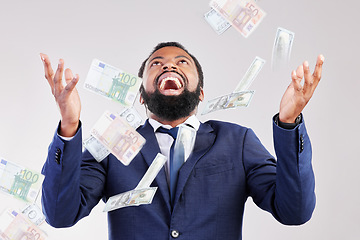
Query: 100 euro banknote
(20, 181)
(244, 15)
(118, 137)
(112, 83)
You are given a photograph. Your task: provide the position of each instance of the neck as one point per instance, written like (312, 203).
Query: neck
(173, 123)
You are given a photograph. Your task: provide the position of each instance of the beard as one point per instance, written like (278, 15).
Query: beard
(170, 108)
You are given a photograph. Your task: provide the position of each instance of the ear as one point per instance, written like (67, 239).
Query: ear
(201, 96)
(141, 100)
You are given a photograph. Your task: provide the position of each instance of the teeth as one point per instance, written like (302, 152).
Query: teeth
(177, 82)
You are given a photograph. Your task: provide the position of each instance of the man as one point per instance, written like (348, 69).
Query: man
(227, 165)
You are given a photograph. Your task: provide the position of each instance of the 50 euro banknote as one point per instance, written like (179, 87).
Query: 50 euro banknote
(97, 149)
(19, 181)
(113, 132)
(112, 83)
(244, 15)
(15, 226)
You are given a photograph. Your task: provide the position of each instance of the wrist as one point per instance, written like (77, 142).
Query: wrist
(68, 129)
(287, 125)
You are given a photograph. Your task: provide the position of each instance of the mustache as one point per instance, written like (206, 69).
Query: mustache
(173, 71)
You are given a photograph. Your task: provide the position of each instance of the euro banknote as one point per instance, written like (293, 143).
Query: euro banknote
(250, 74)
(20, 228)
(216, 21)
(232, 100)
(134, 197)
(132, 117)
(112, 83)
(118, 137)
(283, 43)
(244, 15)
(97, 150)
(34, 213)
(19, 181)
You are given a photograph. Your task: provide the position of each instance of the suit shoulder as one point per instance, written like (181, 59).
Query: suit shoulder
(225, 126)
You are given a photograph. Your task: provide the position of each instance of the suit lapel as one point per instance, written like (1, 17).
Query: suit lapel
(204, 140)
(149, 152)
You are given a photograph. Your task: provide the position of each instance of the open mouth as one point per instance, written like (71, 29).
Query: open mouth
(170, 82)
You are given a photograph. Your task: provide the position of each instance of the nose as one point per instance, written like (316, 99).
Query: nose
(169, 66)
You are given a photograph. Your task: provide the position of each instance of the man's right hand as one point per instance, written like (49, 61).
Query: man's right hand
(66, 97)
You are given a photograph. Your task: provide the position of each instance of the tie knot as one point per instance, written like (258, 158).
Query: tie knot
(172, 132)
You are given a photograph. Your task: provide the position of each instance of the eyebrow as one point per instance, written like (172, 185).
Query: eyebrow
(160, 57)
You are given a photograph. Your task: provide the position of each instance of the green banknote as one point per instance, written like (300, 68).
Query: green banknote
(19, 181)
(112, 83)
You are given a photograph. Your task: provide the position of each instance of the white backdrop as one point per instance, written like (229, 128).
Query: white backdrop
(122, 33)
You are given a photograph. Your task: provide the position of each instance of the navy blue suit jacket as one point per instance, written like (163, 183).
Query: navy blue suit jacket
(228, 164)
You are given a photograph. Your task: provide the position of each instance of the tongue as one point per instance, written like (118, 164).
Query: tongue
(170, 85)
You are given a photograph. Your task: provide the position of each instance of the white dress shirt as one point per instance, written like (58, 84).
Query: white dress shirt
(165, 140)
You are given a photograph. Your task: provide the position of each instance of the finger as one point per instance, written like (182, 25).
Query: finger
(49, 73)
(296, 81)
(58, 86)
(308, 82)
(297, 76)
(300, 72)
(318, 67)
(68, 75)
(70, 86)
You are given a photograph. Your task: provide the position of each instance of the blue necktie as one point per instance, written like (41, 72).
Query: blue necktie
(176, 159)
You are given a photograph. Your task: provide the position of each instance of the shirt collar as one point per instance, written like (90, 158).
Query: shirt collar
(193, 121)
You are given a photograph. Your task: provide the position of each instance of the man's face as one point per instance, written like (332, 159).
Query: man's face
(171, 88)
(170, 70)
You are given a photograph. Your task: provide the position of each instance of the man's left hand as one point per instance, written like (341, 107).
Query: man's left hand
(296, 95)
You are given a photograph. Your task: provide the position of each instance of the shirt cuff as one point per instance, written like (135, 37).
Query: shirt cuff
(67, 138)
(298, 120)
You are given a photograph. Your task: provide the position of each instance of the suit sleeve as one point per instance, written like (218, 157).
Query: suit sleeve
(73, 184)
(285, 187)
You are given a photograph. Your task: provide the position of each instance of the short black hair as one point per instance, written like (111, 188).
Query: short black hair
(178, 45)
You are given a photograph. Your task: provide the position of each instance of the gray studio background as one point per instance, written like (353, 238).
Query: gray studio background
(122, 33)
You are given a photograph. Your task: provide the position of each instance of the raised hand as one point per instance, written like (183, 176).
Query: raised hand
(66, 96)
(296, 95)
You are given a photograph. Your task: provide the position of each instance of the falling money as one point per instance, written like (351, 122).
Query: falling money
(250, 74)
(19, 228)
(118, 137)
(134, 197)
(282, 48)
(217, 22)
(244, 15)
(21, 182)
(112, 83)
(232, 100)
